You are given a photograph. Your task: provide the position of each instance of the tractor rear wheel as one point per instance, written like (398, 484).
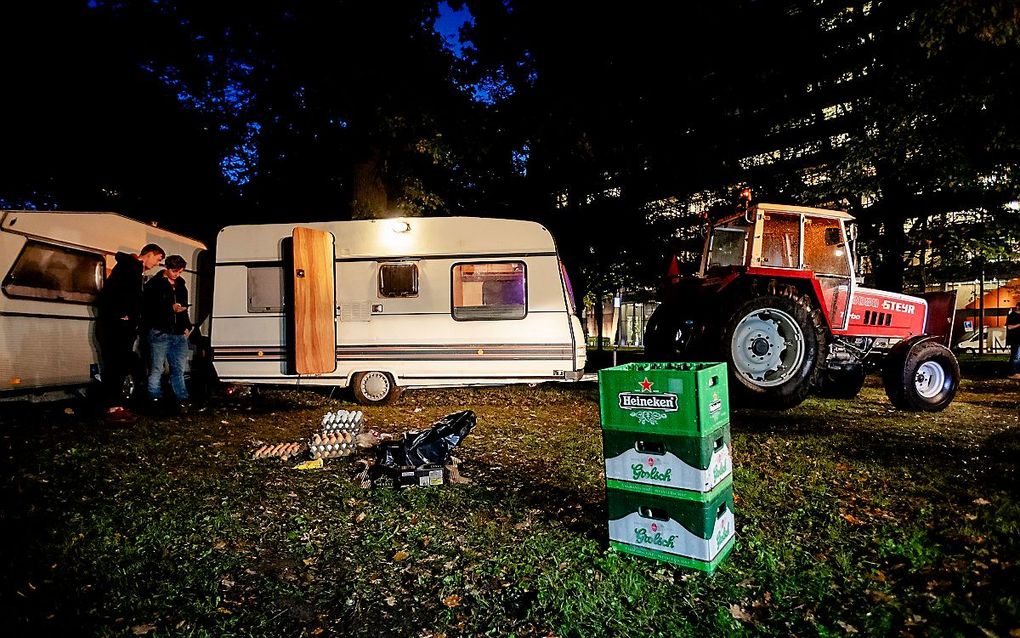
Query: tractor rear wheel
(775, 345)
(922, 377)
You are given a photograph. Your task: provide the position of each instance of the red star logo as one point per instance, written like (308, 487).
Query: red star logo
(646, 385)
(655, 527)
(651, 461)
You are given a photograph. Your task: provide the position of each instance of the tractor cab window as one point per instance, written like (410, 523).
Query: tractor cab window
(780, 242)
(825, 247)
(727, 247)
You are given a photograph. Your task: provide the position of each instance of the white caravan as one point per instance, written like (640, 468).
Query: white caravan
(53, 266)
(381, 305)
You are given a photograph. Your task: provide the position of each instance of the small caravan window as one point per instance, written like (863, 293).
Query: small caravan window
(489, 291)
(265, 289)
(46, 271)
(398, 280)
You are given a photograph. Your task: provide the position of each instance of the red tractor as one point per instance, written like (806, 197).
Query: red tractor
(776, 298)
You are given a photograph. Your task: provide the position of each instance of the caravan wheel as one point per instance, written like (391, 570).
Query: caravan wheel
(374, 388)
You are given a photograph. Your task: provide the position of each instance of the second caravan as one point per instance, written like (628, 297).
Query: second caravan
(381, 305)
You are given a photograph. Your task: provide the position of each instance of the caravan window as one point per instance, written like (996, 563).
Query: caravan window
(46, 271)
(398, 280)
(489, 291)
(265, 288)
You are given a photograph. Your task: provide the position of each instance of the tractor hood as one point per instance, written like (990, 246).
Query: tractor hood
(877, 313)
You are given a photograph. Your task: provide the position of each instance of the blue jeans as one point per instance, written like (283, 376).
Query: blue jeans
(164, 347)
(1014, 359)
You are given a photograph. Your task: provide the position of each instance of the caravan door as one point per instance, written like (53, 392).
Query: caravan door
(314, 309)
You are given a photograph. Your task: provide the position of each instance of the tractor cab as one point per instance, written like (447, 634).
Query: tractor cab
(788, 241)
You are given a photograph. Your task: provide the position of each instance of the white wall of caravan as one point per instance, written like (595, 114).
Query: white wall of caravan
(51, 343)
(469, 353)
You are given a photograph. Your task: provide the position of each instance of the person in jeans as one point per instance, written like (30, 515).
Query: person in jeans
(118, 312)
(1013, 341)
(165, 313)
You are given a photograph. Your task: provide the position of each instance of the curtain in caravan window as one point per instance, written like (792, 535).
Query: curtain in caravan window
(56, 273)
(489, 291)
(265, 289)
(398, 280)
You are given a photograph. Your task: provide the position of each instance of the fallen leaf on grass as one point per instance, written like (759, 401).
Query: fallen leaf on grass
(401, 555)
(391, 601)
(360, 517)
(451, 601)
(853, 520)
(982, 501)
(141, 630)
(1014, 633)
(878, 596)
(850, 629)
(738, 613)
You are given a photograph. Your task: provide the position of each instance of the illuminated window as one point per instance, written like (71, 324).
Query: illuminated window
(487, 291)
(55, 273)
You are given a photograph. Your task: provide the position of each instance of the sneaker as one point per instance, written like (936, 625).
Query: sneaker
(119, 415)
(183, 407)
(1014, 376)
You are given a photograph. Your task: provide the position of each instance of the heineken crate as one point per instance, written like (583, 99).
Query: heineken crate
(673, 398)
(683, 532)
(691, 467)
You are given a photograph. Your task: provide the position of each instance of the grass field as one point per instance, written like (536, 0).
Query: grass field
(852, 518)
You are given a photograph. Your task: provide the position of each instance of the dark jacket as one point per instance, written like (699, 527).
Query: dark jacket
(121, 295)
(158, 313)
(1013, 336)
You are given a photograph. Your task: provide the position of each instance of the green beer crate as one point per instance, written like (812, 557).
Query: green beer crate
(688, 399)
(690, 467)
(683, 532)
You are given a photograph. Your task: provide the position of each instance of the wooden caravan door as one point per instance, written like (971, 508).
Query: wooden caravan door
(314, 312)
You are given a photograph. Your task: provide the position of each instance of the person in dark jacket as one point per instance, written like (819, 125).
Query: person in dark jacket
(165, 317)
(119, 311)
(1013, 341)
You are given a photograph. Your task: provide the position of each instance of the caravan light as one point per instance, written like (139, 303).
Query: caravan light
(400, 227)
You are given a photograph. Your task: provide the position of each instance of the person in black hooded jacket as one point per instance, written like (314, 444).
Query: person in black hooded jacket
(119, 310)
(166, 322)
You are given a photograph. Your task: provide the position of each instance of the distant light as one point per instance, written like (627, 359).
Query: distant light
(616, 302)
(400, 227)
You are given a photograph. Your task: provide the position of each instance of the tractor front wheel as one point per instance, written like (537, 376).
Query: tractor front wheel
(922, 377)
(775, 345)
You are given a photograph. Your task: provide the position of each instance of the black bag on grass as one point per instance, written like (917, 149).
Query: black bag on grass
(431, 446)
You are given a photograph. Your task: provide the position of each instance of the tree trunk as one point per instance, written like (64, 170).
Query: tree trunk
(369, 201)
(598, 323)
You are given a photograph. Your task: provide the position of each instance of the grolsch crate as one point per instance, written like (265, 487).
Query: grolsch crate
(690, 467)
(689, 399)
(696, 534)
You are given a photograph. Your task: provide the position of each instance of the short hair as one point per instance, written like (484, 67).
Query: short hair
(152, 248)
(174, 262)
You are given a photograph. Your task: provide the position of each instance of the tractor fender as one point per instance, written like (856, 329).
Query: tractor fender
(902, 348)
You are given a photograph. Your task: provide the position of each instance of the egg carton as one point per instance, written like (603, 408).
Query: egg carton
(343, 421)
(332, 444)
(283, 451)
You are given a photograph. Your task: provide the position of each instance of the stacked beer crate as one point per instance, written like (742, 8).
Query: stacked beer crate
(669, 472)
